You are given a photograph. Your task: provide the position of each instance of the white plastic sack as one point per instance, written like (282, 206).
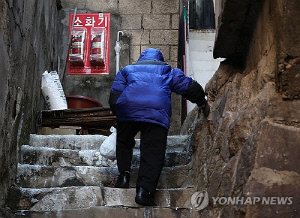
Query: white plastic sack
(56, 80)
(52, 91)
(108, 147)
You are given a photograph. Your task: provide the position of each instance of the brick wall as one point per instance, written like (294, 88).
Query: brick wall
(146, 23)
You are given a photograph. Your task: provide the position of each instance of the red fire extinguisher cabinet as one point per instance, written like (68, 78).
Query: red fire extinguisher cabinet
(89, 49)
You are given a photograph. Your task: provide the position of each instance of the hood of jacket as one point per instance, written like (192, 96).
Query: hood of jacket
(151, 54)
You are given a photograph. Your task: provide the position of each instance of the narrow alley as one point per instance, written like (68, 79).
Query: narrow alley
(239, 160)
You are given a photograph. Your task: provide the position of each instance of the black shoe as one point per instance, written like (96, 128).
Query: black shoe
(123, 180)
(143, 197)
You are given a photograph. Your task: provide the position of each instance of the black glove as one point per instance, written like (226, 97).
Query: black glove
(205, 109)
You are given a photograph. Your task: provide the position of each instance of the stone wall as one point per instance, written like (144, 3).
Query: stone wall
(249, 146)
(146, 23)
(27, 48)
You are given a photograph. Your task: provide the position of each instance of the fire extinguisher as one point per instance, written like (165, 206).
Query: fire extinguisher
(76, 53)
(96, 57)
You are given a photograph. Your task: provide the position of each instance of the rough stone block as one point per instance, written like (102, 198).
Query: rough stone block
(138, 37)
(125, 45)
(135, 7)
(135, 52)
(273, 141)
(152, 21)
(165, 6)
(290, 26)
(280, 188)
(164, 37)
(173, 64)
(287, 84)
(131, 22)
(175, 21)
(174, 53)
(102, 5)
(165, 49)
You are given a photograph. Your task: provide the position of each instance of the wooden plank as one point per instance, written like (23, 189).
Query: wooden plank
(85, 110)
(85, 119)
(78, 113)
(100, 118)
(78, 122)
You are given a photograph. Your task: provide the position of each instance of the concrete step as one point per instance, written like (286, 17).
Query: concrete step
(46, 156)
(89, 142)
(36, 176)
(180, 197)
(55, 199)
(114, 212)
(68, 157)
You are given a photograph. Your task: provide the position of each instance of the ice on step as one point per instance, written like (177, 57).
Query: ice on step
(75, 142)
(94, 158)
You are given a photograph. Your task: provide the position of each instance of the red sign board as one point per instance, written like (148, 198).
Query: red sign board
(89, 50)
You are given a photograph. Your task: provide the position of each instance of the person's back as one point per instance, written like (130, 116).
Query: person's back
(147, 87)
(141, 99)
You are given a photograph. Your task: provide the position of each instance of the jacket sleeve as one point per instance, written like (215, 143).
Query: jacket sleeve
(187, 87)
(116, 90)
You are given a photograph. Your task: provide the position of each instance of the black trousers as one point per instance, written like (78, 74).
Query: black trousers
(153, 148)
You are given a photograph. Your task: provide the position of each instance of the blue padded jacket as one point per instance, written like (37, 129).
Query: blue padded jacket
(142, 91)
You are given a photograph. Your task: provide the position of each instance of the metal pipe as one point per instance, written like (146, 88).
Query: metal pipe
(117, 50)
(118, 36)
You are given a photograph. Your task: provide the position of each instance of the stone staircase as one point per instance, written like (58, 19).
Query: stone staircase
(66, 176)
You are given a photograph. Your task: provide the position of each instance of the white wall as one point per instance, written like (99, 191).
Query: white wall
(202, 65)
